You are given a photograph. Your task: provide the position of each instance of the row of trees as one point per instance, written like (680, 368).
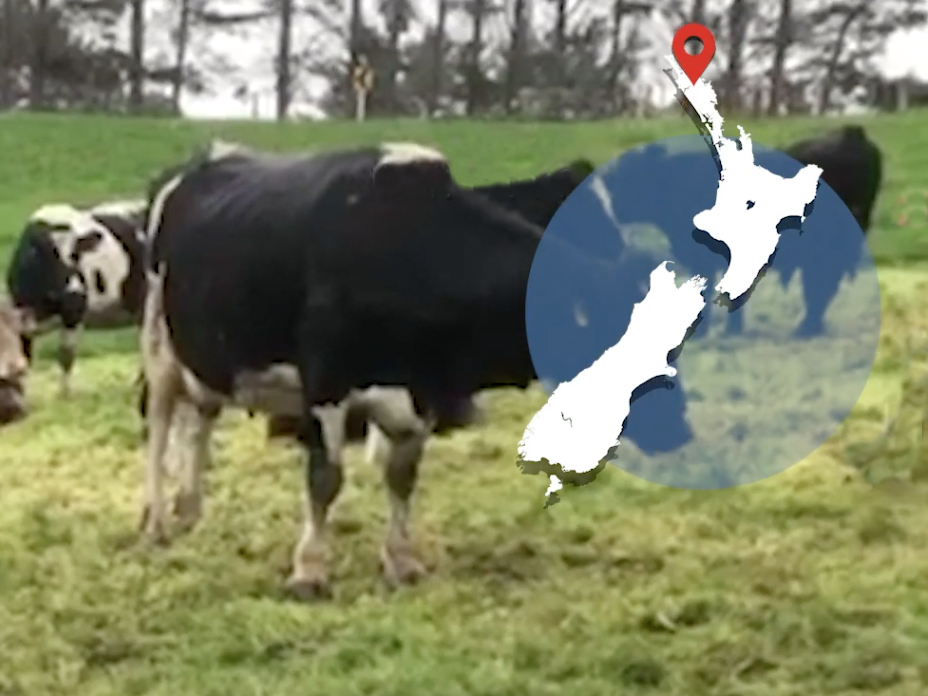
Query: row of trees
(583, 62)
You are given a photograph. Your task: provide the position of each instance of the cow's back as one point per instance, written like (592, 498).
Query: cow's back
(231, 236)
(851, 165)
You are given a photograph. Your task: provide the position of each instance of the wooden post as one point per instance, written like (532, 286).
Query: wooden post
(362, 78)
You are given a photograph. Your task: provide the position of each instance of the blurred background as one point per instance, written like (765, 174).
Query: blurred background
(536, 59)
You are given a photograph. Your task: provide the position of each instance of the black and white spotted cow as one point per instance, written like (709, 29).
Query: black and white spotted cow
(310, 285)
(78, 268)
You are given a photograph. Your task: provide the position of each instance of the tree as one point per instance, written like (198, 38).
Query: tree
(136, 55)
(516, 55)
(738, 16)
(284, 81)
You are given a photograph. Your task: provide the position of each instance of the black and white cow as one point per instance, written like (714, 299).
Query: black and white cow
(537, 200)
(79, 268)
(311, 285)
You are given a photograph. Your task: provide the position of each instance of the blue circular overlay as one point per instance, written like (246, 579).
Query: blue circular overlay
(760, 385)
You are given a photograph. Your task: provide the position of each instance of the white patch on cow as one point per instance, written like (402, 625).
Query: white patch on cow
(408, 153)
(223, 148)
(157, 205)
(107, 260)
(126, 209)
(353, 198)
(74, 284)
(58, 215)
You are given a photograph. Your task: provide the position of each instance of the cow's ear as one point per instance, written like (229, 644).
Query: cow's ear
(411, 180)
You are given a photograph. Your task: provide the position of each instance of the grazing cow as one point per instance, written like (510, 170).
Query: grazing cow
(79, 268)
(537, 200)
(15, 326)
(309, 285)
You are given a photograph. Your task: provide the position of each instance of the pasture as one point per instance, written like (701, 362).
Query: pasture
(811, 582)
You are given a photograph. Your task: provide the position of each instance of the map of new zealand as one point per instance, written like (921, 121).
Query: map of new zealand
(583, 418)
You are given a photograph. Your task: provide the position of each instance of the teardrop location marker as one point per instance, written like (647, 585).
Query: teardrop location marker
(693, 65)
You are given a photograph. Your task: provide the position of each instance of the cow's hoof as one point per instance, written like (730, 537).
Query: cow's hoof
(188, 509)
(153, 528)
(309, 589)
(809, 331)
(401, 567)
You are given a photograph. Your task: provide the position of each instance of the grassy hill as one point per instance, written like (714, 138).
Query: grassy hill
(812, 582)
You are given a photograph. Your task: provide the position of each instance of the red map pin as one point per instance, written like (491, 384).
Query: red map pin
(693, 66)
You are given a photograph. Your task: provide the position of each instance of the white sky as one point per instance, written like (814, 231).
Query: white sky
(250, 53)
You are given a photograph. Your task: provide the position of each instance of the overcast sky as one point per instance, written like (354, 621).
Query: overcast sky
(250, 54)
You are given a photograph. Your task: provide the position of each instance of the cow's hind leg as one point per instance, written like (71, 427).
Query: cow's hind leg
(323, 435)
(818, 291)
(195, 448)
(164, 383)
(163, 392)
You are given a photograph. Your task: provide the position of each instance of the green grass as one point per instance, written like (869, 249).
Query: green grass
(812, 582)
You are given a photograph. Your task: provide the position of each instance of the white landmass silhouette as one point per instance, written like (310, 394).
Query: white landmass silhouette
(584, 417)
(751, 201)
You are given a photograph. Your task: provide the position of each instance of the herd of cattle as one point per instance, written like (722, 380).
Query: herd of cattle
(340, 293)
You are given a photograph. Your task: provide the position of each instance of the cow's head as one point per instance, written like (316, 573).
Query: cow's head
(16, 325)
(40, 280)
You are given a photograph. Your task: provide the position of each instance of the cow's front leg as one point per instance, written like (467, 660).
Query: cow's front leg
(324, 477)
(67, 351)
(398, 559)
(398, 440)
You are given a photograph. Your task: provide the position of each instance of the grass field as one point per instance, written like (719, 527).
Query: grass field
(812, 582)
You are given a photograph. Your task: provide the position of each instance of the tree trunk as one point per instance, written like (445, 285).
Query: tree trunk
(183, 32)
(828, 79)
(354, 48)
(560, 51)
(783, 39)
(354, 32)
(137, 56)
(438, 57)
(616, 60)
(737, 24)
(394, 25)
(283, 59)
(514, 66)
(39, 57)
(476, 48)
(6, 58)
(699, 12)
